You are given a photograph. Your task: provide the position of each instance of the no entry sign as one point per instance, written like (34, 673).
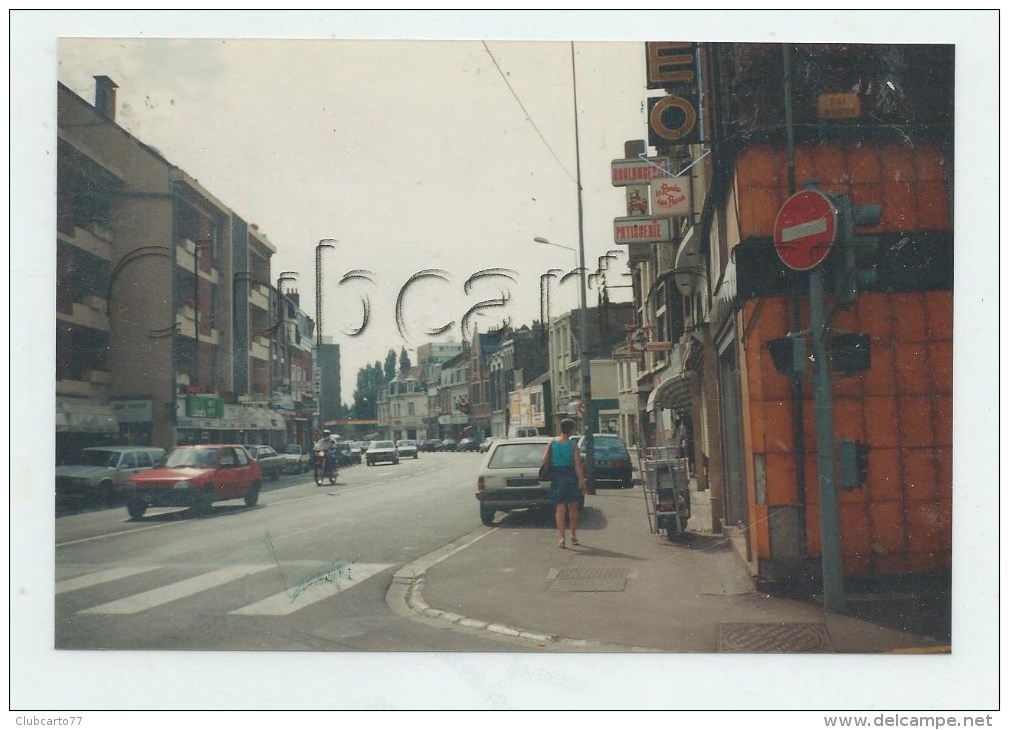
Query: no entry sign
(805, 229)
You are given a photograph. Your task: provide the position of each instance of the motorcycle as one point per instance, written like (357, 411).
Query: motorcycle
(325, 467)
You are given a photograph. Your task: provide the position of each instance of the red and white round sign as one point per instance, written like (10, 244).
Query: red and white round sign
(805, 229)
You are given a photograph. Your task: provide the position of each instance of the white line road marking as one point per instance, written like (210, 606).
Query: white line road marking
(94, 579)
(325, 586)
(175, 591)
(804, 229)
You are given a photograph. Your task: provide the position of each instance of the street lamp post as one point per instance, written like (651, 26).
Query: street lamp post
(583, 355)
(317, 370)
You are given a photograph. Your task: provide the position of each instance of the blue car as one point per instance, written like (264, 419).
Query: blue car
(611, 461)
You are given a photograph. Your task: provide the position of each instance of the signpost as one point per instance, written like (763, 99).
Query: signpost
(804, 232)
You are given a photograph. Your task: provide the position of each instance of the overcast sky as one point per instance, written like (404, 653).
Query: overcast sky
(414, 155)
(441, 154)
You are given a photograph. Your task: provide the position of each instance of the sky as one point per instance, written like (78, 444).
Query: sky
(441, 153)
(416, 156)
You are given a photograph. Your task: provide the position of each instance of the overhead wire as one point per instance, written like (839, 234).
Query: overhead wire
(529, 117)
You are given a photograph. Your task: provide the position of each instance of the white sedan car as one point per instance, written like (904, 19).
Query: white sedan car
(509, 477)
(407, 447)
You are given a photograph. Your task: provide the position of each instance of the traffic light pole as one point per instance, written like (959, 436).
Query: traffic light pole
(823, 409)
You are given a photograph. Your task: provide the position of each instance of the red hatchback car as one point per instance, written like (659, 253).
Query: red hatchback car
(195, 477)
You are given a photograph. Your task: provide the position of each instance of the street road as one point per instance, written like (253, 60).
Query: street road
(306, 569)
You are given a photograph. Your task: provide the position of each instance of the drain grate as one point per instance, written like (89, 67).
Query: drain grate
(589, 580)
(773, 639)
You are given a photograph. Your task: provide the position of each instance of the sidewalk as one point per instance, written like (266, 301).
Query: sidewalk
(625, 589)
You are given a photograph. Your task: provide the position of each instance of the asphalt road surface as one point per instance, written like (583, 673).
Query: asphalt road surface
(307, 569)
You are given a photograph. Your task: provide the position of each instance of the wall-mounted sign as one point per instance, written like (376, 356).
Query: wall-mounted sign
(671, 196)
(140, 410)
(643, 229)
(637, 200)
(839, 106)
(670, 64)
(638, 338)
(638, 171)
(672, 120)
(204, 406)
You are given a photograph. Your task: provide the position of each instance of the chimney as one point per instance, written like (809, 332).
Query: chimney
(293, 295)
(105, 97)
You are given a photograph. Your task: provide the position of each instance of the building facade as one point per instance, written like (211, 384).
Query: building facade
(167, 324)
(872, 123)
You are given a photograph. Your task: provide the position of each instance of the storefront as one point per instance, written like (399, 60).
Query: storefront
(83, 422)
(236, 424)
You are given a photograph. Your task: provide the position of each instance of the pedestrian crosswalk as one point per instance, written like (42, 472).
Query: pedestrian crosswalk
(327, 582)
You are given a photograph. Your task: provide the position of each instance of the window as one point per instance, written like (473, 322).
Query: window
(129, 461)
(144, 460)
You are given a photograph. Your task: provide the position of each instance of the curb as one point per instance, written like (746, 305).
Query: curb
(405, 597)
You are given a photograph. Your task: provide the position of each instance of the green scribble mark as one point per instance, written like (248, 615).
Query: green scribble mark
(328, 574)
(273, 550)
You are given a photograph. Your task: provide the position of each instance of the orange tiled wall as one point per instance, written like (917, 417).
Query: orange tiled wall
(909, 183)
(900, 522)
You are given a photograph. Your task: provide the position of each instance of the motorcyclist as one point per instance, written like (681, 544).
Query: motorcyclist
(328, 444)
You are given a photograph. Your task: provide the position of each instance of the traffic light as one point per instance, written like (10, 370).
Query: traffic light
(853, 265)
(788, 354)
(850, 352)
(853, 460)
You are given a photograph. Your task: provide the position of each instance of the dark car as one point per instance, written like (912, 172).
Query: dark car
(430, 445)
(611, 462)
(272, 463)
(381, 451)
(195, 477)
(468, 445)
(447, 445)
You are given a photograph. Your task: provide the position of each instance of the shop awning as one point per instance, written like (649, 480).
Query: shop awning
(673, 391)
(75, 415)
(689, 272)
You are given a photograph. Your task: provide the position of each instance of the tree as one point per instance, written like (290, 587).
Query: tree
(404, 361)
(390, 365)
(370, 379)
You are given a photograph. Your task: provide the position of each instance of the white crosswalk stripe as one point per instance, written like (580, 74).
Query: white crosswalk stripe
(95, 579)
(175, 591)
(333, 579)
(313, 591)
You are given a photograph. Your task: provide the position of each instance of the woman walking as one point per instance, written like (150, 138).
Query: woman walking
(567, 479)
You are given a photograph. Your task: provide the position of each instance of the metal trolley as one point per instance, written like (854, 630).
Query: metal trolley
(667, 491)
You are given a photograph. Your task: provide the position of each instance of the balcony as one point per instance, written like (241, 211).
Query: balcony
(259, 348)
(259, 296)
(94, 239)
(88, 316)
(99, 377)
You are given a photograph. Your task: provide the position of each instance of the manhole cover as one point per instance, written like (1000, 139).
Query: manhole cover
(591, 580)
(773, 638)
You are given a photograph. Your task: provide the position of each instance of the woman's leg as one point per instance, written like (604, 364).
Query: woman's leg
(559, 513)
(573, 514)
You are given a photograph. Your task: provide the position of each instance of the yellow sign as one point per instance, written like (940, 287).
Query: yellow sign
(839, 106)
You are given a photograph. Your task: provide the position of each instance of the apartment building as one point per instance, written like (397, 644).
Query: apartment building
(167, 322)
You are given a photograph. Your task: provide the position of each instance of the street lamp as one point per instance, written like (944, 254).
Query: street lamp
(324, 243)
(583, 355)
(317, 368)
